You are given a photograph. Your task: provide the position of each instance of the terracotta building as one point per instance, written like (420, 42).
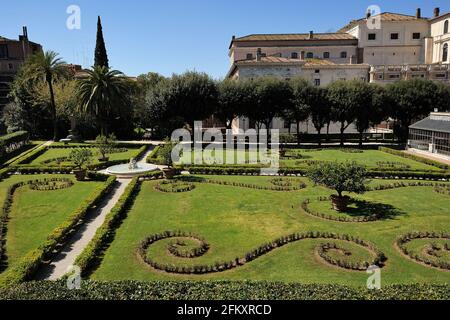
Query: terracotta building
(12, 54)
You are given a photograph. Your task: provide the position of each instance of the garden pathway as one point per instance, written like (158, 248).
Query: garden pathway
(58, 267)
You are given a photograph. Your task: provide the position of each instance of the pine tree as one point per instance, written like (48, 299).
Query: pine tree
(101, 57)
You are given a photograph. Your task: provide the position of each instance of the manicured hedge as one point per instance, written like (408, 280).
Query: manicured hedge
(415, 158)
(13, 141)
(93, 252)
(220, 290)
(230, 170)
(29, 264)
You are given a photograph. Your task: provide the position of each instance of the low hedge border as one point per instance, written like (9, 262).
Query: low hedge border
(220, 290)
(301, 185)
(51, 184)
(255, 171)
(442, 189)
(324, 248)
(92, 254)
(403, 240)
(28, 265)
(221, 266)
(174, 186)
(330, 217)
(415, 158)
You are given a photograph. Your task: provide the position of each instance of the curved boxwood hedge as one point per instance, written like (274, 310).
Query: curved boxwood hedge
(219, 290)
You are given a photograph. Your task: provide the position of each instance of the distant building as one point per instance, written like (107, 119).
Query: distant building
(431, 134)
(12, 54)
(402, 47)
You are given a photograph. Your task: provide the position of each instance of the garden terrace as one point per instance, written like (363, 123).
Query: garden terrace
(223, 233)
(35, 205)
(58, 156)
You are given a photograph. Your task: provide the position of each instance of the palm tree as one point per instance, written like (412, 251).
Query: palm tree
(100, 93)
(47, 66)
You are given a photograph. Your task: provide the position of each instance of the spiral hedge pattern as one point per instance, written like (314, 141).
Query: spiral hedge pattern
(202, 248)
(308, 210)
(174, 186)
(432, 254)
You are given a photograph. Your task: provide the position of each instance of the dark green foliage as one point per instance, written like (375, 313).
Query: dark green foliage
(101, 57)
(346, 176)
(220, 290)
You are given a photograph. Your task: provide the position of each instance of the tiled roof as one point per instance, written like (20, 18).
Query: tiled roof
(295, 36)
(385, 16)
(432, 125)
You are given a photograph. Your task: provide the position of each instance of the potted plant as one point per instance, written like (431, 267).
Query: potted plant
(81, 157)
(165, 156)
(105, 146)
(342, 177)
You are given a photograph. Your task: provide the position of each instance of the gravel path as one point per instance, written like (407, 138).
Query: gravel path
(65, 259)
(76, 244)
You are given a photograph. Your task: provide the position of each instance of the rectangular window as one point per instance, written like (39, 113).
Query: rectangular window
(249, 56)
(317, 71)
(317, 82)
(294, 55)
(3, 51)
(416, 35)
(394, 36)
(326, 55)
(372, 36)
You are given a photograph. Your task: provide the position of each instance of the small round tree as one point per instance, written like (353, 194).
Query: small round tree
(165, 157)
(81, 157)
(105, 145)
(342, 177)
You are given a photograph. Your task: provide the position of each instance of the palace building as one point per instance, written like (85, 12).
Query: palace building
(379, 48)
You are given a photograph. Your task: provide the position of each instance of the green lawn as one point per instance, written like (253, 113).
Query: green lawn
(35, 214)
(235, 220)
(48, 158)
(302, 158)
(370, 158)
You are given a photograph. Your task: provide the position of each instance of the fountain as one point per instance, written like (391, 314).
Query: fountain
(132, 169)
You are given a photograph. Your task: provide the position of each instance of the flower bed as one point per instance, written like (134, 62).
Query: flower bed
(221, 266)
(429, 255)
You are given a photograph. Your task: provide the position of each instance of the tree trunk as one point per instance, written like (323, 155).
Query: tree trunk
(361, 139)
(53, 105)
(298, 134)
(342, 134)
(319, 137)
(328, 132)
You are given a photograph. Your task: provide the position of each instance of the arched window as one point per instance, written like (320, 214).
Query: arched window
(344, 54)
(446, 26)
(445, 53)
(309, 55)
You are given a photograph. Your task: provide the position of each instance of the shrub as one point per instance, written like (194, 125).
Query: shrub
(81, 157)
(415, 158)
(105, 144)
(347, 176)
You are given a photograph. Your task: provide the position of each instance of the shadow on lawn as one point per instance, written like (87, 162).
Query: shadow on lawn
(363, 208)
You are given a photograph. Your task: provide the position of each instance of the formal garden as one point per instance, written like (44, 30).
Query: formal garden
(183, 230)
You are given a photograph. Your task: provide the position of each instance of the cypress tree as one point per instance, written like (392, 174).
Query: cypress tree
(101, 57)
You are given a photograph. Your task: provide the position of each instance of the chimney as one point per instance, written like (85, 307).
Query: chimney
(311, 34)
(437, 12)
(258, 54)
(25, 32)
(302, 55)
(418, 13)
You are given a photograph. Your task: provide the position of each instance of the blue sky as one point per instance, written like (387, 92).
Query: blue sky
(178, 35)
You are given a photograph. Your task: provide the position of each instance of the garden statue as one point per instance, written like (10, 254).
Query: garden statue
(133, 164)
